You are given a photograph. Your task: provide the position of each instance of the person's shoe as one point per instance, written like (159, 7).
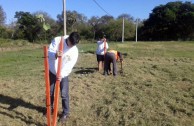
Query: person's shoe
(63, 118)
(114, 75)
(105, 74)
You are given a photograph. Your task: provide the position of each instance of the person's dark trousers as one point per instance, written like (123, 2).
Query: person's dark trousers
(64, 87)
(110, 58)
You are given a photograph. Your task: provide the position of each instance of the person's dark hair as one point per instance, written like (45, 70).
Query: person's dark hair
(74, 38)
(120, 56)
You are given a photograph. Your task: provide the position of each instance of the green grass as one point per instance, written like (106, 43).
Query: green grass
(156, 88)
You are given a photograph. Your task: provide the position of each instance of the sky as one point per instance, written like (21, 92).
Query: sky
(136, 8)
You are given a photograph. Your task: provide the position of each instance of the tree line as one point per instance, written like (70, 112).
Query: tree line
(171, 22)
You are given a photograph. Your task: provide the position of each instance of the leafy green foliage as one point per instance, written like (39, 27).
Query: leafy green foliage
(28, 24)
(2, 16)
(172, 21)
(4, 32)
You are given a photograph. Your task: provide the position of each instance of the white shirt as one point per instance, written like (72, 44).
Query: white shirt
(100, 47)
(69, 57)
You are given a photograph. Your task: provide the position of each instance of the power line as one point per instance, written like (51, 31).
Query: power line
(101, 7)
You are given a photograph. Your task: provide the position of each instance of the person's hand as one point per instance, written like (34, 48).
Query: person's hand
(58, 54)
(58, 78)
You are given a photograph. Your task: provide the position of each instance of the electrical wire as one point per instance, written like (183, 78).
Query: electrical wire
(101, 7)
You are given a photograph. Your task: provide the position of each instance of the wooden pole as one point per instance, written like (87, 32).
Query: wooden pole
(123, 30)
(136, 29)
(57, 84)
(47, 82)
(64, 16)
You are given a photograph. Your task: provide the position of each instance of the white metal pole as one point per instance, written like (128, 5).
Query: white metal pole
(64, 16)
(123, 30)
(136, 28)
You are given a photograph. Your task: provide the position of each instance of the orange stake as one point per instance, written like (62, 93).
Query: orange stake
(57, 85)
(47, 82)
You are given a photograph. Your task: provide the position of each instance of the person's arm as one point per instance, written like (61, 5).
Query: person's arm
(53, 47)
(120, 56)
(58, 54)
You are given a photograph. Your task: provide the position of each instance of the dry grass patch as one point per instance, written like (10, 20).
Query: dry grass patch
(156, 88)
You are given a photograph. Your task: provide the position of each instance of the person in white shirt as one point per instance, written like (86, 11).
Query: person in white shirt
(69, 59)
(102, 46)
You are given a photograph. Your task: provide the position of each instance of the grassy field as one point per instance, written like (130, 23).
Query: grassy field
(156, 88)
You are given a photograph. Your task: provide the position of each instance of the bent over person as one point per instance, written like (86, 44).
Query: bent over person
(112, 56)
(69, 58)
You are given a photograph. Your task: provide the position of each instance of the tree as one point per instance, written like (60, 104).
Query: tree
(45, 25)
(71, 20)
(185, 21)
(104, 20)
(2, 16)
(126, 17)
(114, 30)
(3, 31)
(74, 19)
(28, 24)
(172, 21)
(49, 26)
(94, 23)
(46, 17)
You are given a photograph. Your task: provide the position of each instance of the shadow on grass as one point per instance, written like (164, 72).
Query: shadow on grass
(124, 54)
(82, 70)
(89, 52)
(16, 102)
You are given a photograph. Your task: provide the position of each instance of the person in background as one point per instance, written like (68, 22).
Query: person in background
(112, 56)
(69, 58)
(102, 46)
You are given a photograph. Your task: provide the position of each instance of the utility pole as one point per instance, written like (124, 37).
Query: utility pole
(123, 30)
(64, 16)
(136, 28)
